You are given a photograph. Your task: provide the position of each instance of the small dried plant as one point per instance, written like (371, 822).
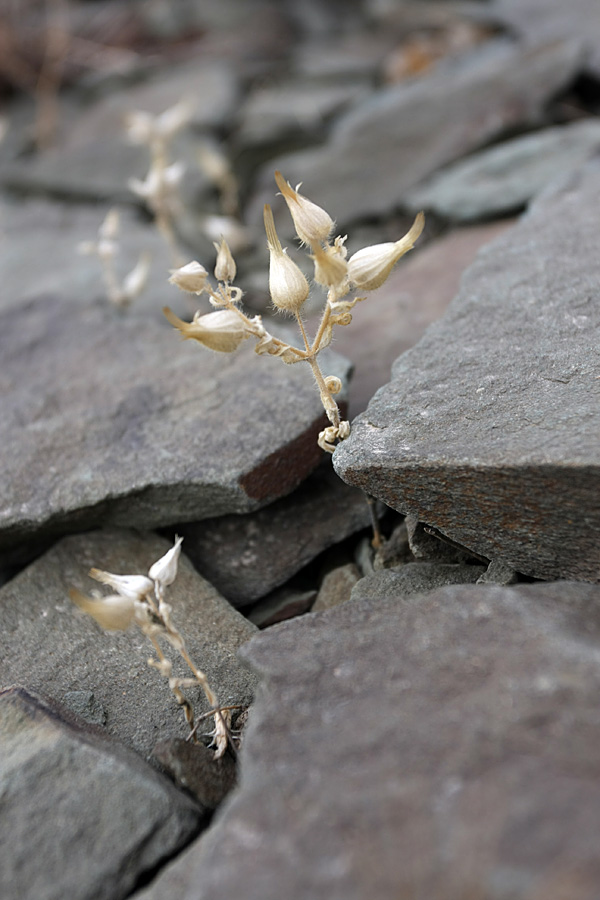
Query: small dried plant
(227, 326)
(140, 600)
(106, 249)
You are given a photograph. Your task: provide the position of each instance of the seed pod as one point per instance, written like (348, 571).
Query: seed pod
(191, 277)
(222, 330)
(225, 267)
(164, 570)
(135, 587)
(114, 613)
(287, 285)
(331, 269)
(369, 268)
(313, 225)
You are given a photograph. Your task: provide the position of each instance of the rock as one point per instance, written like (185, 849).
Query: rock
(95, 160)
(498, 572)
(385, 146)
(504, 178)
(247, 557)
(194, 767)
(394, 551)
(489, 428)
(336, 587)
(547, 20)
(426, 545)
(297, 109)
(441, 746)
(351, 55)
(420, 578)
(85, 705)
(46, 644)
(127, 426)
(81, 816)
(394, 317)
(283, 603)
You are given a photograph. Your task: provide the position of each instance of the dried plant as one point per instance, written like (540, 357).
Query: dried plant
(140, 600)
(106, 248)
(228, 326)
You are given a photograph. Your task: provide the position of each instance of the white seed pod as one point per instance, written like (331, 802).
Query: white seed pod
(369, 268)
(140, 127)
(287, 285)
(333, 384)
(109, 228)
(136, 280)
(225, 267)
(164, 570)
(331, 269)
(222, 330)
(313, 225)
(114, 613)
(191, 277)
(172, 120)
(135, 587)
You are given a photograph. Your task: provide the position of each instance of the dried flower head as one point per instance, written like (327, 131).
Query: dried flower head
(164, 570)
(222, 330)
(114, 613)
(191, 277)
(225, 268)
(287, 285)
(369, 268)
(313, 225)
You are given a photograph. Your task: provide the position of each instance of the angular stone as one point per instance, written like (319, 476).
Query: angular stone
(194, 766)
(548, 20)
(81, 816)
(247, 557)
(504, 178)
(489, 428)
(425, 544)
(441, 746)
(385, 146)
(108, 418)
(284, 603)
(336, 587)
(286, 111)
(420, 578)
(95, 160)
(394, 317)
(46, 644)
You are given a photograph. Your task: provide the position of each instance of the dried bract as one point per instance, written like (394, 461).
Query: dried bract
(225, 268)
(287, 285)
(191, 277)
(369, 268)
(313, 225)
(221, 330)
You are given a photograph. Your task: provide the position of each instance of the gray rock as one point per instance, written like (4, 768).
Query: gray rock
(287, 111)
(46, 644)
(394, 551)
(336, 587)
(504, 178)
(247, 557)
(498, 572)
(284, 603)
(81, 816)
(402, 134)
(193, 765)
(547, 20)
(110, 419)
(419, 578)
(94, 160)
(425, 544)
(489, 428)
(441, 746)
(85, 705)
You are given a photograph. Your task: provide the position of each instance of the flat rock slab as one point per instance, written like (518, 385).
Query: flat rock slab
(504, 178)
(246, 558)
(441, 746)
(547, 20)
(81, 817)
(111, 419)
(489, 430)
(385, 146)
(48, 645)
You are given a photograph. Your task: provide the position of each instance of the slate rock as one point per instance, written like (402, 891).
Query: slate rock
(193, 765)
(81, 816)
(109, 419)
(489, 428)
(248, 557)
(505, 177)
(393, 318)
(94, 160)
(425, 544)
(547, 20)
(283, 603)
(400, 135)
(441, 746)
(420, 578)
(498, 572)
(46, 644)
(336, 587)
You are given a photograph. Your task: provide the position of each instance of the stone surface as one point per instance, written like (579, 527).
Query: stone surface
(110, 419)
(246, 558)
(505, 177)
(81, 817)
(393, 318)
(425, 544)
(194, 767)
(283, 603)
(336, 587)
(94, 160)
(47, 644)
(441, 746)
(489, 428)
(382, 148)
(419, 578)
(286, 111)
(547, 20)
